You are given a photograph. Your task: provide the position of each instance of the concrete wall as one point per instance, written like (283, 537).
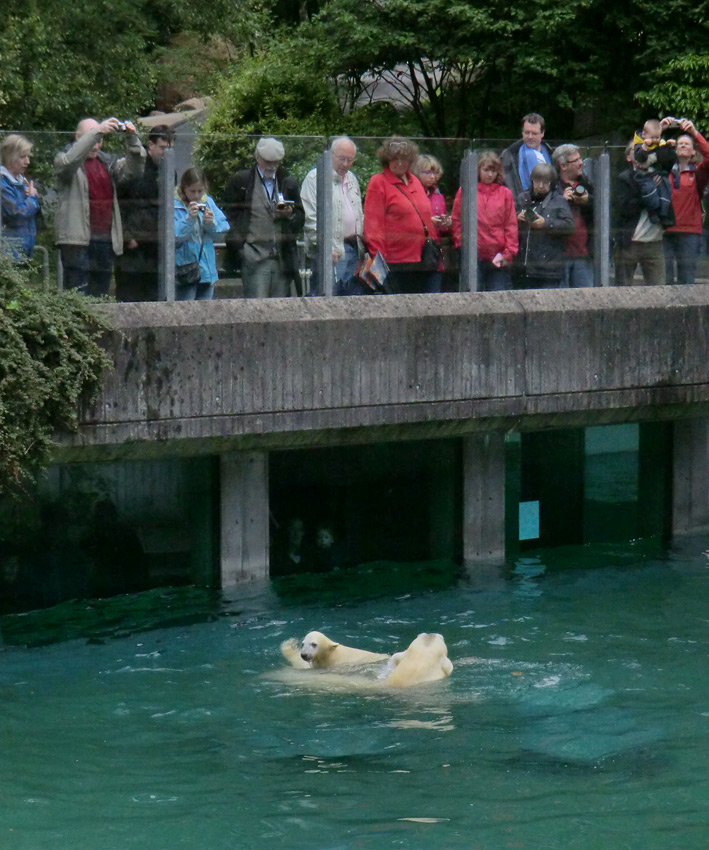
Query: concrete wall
(222, 376)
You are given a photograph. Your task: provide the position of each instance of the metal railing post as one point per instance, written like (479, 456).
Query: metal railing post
(166, 226)
(469, 222)
(602, 218)
(324, 223)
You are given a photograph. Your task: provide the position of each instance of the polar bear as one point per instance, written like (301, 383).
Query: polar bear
(425, 660)
(318, 651)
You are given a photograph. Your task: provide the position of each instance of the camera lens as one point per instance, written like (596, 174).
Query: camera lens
(579, 189)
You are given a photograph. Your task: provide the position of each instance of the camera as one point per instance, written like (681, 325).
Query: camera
(122, 126)
(579, 189)
(282, 203)
(202, 207)
(529, 214)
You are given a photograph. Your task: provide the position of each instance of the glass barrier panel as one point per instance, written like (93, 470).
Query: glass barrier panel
(245, 234)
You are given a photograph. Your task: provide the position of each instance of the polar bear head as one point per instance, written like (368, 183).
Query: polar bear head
(425, 660)
(316, 648)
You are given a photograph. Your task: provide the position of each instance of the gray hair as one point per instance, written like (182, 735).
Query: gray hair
(338, 139)
(562, 153)
(544, 171)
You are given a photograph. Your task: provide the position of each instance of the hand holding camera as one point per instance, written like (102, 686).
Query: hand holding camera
(531, 217)
(113, 125)
(284, 208)
(577, 194)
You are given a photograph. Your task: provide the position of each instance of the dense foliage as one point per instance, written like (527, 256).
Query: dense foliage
(459, 69)
(471, 70)
(50, 360)
(65, 61)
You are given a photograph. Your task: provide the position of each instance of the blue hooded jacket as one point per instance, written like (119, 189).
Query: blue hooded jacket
(19, 216)
(189, 233)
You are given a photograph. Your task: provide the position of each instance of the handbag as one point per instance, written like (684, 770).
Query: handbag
(431, 254)
(189, 274)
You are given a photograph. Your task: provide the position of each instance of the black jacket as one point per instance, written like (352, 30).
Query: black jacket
(237, 208)
(541, 252)
(636, 191)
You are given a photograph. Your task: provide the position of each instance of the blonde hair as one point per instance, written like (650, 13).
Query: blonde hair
(13, 146)
(426, 162)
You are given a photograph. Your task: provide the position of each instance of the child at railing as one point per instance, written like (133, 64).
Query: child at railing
(497, 225)
(198, 224)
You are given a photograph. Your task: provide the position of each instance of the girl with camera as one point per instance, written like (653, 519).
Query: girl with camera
(199, 223)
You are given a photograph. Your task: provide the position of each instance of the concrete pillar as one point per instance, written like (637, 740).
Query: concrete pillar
(690, 476)
(442, 463)
(484, 498)
(244, 522)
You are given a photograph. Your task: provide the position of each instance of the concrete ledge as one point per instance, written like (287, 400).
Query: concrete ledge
(196, 377)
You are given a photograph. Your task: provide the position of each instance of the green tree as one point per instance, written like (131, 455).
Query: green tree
(470, 70)
(681, 87)
(64, 61)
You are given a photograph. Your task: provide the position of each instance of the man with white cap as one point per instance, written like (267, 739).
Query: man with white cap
(266, 217)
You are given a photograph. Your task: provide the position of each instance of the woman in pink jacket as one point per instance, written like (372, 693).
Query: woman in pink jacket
(497, 225)
(429, 171)
(688, 180)
(397, 218)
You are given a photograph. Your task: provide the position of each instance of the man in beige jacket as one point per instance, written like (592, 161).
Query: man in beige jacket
(88, 218)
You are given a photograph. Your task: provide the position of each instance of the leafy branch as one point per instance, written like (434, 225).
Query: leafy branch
(50, 361)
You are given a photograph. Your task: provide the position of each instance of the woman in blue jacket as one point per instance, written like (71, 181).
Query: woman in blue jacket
(198, 224)
(20, 198)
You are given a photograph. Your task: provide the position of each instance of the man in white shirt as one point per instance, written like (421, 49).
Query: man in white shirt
(348, 217)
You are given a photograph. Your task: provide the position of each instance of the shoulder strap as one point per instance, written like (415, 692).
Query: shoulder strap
(409, 198)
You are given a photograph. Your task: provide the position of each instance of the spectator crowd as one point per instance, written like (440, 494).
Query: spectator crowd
(535, 216)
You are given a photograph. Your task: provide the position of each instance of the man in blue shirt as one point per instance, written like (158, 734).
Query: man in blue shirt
(519, 159)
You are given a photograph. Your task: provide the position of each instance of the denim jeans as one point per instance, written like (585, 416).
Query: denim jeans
(492, 279)
(682, 249)
(578, 273)
(202, 291)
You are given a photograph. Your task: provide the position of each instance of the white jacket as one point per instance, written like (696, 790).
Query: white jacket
(309, 196)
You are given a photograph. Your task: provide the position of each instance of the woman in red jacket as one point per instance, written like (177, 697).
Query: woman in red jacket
(688, 181)
(497, 225)
(397, 217)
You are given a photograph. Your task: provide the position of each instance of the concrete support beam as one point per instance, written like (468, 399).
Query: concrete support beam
(690, 476)
(243, 517)
(484, 499)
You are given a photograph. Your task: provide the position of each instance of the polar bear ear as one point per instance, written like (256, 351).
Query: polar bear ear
(332, 647)
(447, 666)
(397, 657)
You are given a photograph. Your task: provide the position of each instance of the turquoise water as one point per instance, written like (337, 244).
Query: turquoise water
(577, 715)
